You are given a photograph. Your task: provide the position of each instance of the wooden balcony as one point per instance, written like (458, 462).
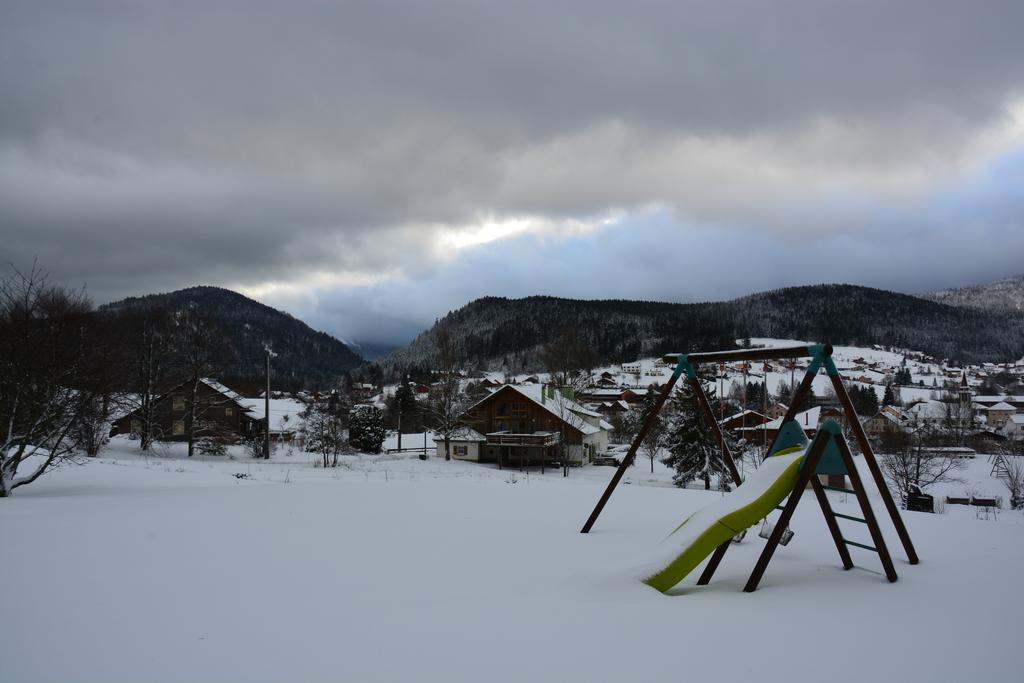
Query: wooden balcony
(531, 440)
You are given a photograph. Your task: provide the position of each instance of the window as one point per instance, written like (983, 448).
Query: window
(229, 411)
(501, 409)
(178, 403)
(178, 428)
(519, 409)
(136, 426)
(462, 450)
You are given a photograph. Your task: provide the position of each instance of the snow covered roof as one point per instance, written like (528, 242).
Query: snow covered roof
(463, 434)
(999, 399)
(217, 386)
(1002, 405)
(564, 409)
(1017, 418)
(892, 417)
(808, 418)
(928, 409)
(284, 412)
(748, 411)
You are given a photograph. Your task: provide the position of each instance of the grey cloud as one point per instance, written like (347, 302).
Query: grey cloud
(151, 145)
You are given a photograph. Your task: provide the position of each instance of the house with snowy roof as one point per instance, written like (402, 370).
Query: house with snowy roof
(742, 419)
(998, 414)
(928, 412)
(988, 401)
(767, 431)
(1014, 427)
(889, 419)
(219, 412)
(285, 416)
(531, 424)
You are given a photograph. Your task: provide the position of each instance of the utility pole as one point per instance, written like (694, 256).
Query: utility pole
(399, 402)
(266, 407)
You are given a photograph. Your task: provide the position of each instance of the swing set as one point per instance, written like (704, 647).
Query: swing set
(792, 464)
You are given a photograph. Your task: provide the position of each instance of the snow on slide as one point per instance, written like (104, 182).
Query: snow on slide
(714, 524)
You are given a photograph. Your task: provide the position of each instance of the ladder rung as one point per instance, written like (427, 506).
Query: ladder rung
(861, 545)
(779, 507)
(850, 517)
(839, 489)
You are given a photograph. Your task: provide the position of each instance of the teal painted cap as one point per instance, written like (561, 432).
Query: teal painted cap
(790, 436)
(831, 459)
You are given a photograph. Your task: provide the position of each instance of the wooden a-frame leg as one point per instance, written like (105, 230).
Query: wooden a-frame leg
(631, 454)
(716, 558)
(810, 464)
(865, 507)
(833, 526)
(876, 473)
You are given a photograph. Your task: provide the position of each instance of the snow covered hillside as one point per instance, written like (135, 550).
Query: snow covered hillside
(396, 569)
(1002, 295)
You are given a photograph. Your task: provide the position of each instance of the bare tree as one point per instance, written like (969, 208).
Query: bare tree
(656, 437)
(958, 421)
(203, 352)
(568, 360)
(150, 332)
(907, 462)
(93, 428)
(1012, 475)
(324, 432)
(446, 404)
(42, 348)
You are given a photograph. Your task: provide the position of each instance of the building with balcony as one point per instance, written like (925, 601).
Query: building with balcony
(527, 425)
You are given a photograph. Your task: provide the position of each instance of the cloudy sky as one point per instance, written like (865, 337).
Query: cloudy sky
(369, 166)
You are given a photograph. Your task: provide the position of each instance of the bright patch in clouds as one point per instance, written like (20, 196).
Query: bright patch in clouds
(494, 229)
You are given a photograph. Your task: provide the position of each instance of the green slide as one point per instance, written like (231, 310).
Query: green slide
(752, 501)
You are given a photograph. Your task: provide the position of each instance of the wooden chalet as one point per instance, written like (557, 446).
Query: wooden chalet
(220, 412)
(742, 420)
(528, 424)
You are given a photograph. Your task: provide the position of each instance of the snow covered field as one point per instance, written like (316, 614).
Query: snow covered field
(396, 569)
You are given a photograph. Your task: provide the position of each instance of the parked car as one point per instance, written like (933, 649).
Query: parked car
(606, 459)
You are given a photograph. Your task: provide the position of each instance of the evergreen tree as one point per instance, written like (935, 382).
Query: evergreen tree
(864, 400)
(366, 429)
(694, 452)
(889, 399)
(403, 410)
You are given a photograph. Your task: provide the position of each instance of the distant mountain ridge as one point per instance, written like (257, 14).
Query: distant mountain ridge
(1006, 294)
(510, 333)
(304, 358)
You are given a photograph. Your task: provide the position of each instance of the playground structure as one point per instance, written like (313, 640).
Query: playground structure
(792, 464)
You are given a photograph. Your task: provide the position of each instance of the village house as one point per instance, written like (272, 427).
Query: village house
(988, 401)
(220, 413)
(631, 368)
(767, 431)
(1014, 427)
(527, 424)
(464, 443)
(362, 391)
(286, 421)
(742, 420)
(888, 420)
(612, 407)
(999, 414)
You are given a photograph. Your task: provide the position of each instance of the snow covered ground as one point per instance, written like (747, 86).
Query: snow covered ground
(396, 569)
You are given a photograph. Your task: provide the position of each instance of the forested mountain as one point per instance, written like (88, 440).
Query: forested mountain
(304, 357)
(510, 333)
(1002, 295)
